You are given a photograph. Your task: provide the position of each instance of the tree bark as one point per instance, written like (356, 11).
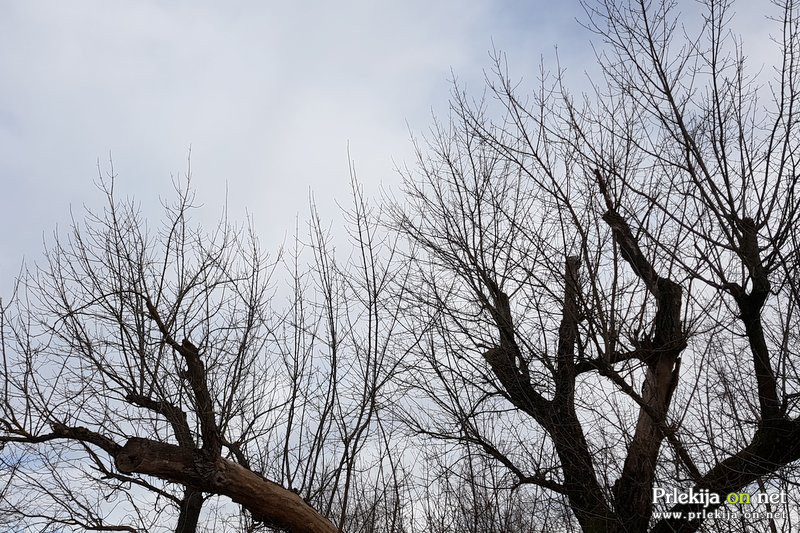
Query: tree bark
(267, 501)
(191, 505)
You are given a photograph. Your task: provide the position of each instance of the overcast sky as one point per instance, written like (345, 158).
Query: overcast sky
(268, 95)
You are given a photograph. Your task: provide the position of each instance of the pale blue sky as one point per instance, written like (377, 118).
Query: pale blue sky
(267, 94)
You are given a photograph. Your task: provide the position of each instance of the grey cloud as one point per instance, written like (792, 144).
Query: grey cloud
(267, 94)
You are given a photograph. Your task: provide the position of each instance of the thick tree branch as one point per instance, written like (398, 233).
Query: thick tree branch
(750, 307)
(557, 416)
(174, 415)
(568, 334)
(267, 501)
(632, 492)
(770, 449)
(196, 376)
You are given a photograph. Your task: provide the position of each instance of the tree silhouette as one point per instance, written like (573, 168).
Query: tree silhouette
(609, 282)
(577, 305)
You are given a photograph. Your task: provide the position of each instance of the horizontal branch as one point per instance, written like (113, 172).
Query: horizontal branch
(268, 502)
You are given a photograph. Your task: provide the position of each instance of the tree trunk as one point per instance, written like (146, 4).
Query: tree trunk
(191, 505)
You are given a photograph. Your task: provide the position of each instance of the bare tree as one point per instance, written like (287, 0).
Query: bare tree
(597, 302)
(338, 349)
(609, 283)
(148, 371)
